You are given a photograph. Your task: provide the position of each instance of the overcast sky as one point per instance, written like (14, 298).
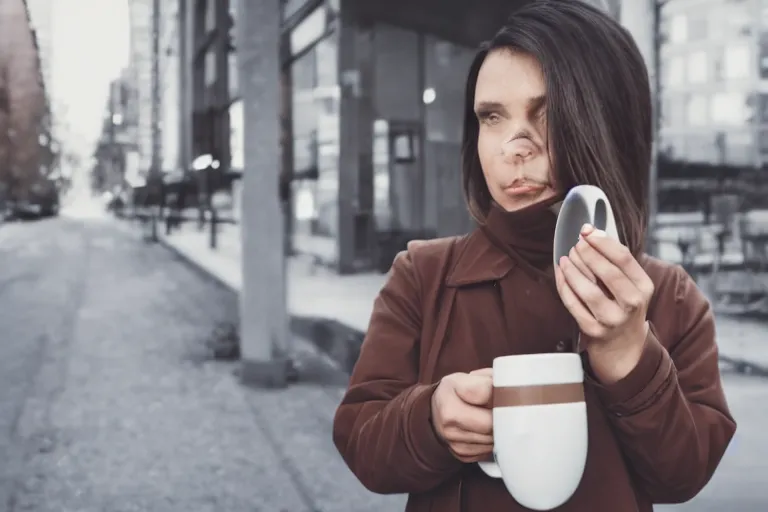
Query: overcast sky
(90, 47)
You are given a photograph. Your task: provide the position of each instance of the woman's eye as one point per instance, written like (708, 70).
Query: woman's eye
(490, 118)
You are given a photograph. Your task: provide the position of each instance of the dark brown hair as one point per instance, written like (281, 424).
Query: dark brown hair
(598, 108)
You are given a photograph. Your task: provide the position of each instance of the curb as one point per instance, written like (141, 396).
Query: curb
(744, 367)
(339, 344)
(335, 342)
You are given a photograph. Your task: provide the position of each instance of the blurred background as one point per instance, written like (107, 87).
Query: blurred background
(200, 199)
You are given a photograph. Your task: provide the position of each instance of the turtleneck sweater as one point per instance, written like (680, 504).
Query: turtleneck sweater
(526, 235)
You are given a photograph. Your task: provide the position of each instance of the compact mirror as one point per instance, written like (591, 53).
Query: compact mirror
(584, 204)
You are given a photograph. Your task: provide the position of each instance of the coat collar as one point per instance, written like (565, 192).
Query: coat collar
(478, 261)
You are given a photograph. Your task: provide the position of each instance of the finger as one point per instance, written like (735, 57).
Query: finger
(574, 256)
(589, 293)
(460, 435)
(483, 372)
(472, 418)
(603, 309)
(620, 255)
(620, 287)
(586, 229)
(587, 322)
(474, 452)
(474, 389)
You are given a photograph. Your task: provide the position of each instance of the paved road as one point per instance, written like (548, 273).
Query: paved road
(109, 402)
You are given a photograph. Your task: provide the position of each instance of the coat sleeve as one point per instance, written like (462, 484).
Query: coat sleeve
(670, 413)
(383, 427)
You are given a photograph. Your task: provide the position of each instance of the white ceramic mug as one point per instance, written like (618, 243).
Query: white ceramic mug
(539, 427)
(584, 204)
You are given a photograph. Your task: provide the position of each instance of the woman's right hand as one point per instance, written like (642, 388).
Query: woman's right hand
(461, 414)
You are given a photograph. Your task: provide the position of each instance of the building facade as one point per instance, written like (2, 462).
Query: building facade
(713, 107)
(372, 120)
(41, 20)
(140, 59)
(170, 76)
(23, 105)
(371, 115)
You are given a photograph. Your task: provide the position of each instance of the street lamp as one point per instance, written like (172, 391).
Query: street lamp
(204, 163)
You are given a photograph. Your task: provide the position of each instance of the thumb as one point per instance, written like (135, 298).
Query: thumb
(483, 372)
(475, 389)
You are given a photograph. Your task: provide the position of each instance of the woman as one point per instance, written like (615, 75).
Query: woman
(559, 97)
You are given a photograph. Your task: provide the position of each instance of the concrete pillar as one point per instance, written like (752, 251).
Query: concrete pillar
(198, 103)
(640, 17)
(221, 89)
(186, 7)
(355, 213)
(264, 333)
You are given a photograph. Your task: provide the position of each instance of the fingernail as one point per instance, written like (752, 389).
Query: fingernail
(598, 233)
(587, 229)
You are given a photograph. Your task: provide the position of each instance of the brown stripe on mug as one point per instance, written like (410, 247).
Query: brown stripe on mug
(549, 394)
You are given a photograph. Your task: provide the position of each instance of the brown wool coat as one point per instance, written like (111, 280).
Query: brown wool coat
(654, 437)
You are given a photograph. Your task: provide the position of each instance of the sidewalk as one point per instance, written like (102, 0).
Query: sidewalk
(320, 300)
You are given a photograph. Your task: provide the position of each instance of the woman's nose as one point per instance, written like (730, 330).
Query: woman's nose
(517, 149)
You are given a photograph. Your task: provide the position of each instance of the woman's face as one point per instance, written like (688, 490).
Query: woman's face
(510, 107)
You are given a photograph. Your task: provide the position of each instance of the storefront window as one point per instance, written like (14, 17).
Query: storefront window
(210, 15)
(762, 108)
(327, 109)
(673, 147)
(234, 80)
(718, 68)
(698, 63)
(735, 19)
(673, 71)
(764, 16)
(763, 62)
(236, 136)
(446, 68)
(739, 147)
(697, 110)
(291, 7)
(697, 27)
(729, 108)
(737, 61)
(763, 143)
(678, 29)
(703, 148)
(673, 111)
(315, 122)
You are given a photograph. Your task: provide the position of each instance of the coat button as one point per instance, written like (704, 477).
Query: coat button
(561, 345)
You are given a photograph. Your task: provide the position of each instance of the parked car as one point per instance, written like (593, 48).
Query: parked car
(41, 200)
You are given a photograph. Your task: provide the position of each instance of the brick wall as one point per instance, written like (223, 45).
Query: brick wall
(21, 82)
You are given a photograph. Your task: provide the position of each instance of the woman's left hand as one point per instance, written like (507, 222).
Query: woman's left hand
(607, 291)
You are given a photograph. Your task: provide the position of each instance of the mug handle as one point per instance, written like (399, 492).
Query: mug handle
(490, 467)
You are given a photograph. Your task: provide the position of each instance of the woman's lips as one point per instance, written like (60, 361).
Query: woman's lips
(519, 189)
